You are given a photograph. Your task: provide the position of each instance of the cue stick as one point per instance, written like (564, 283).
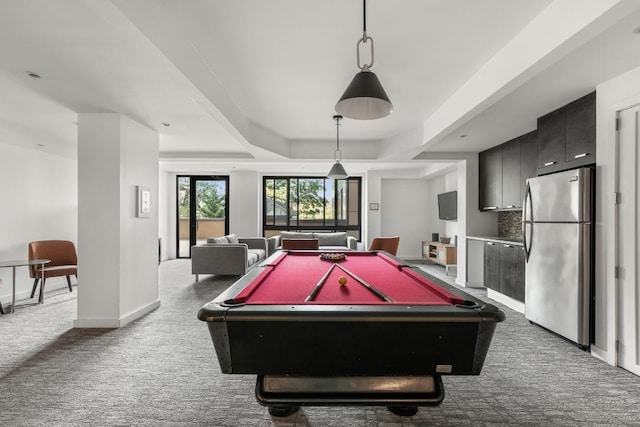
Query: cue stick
(315, 290)
(366, 285)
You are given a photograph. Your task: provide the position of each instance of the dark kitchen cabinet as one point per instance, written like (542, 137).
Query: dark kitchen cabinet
(491, 274)
(504, 170)
(581, 130)
(567, 136)
(551, 139)
(511, 197)
(504, 266)
(490, 182)
(512, 264)
(528, 160)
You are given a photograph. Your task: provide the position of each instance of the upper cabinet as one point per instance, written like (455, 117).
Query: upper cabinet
(565, 139)
(511, 174)
(528, 159)
(490, 167)
(551, 139)
(567, 136)
(503, 172)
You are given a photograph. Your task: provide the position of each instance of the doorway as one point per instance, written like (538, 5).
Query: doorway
(627, 237)
(203, 210)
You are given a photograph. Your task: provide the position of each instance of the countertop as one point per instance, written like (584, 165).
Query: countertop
(505, 240)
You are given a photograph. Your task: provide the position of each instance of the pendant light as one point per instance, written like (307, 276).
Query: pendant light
(337, 170)
(365, 98)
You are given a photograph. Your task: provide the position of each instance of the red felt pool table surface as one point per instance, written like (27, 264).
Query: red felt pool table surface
(292, 277)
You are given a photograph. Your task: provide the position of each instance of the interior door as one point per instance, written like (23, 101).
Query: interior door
(628, 236)
(203, 207)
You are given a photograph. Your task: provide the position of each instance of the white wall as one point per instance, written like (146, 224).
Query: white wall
(372, 189)
(39, 202)
(404, 212)
(611, 96)
(168, 206)
(422, 213)
(473, 222)
(442, 184)
(435, 186)
(138, 236)
(166, 222)
(409, 209)
(245, 206)
(117, 251)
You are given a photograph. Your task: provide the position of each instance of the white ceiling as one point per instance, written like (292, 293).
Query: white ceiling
(252, 84)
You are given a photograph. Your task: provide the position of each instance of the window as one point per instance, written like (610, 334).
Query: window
(311, 204)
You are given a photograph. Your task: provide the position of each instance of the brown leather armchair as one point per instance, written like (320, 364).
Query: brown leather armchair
(64, 262)
(387, 244)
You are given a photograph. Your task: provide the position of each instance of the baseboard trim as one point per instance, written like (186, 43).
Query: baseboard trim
(473, 285)
(53, 284)
(506, 300)
(116, 323)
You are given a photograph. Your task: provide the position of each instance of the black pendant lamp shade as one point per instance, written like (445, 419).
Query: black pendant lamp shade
(365, 98)
(337, 170)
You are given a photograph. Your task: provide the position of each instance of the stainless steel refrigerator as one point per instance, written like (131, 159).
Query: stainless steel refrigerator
(558, 230)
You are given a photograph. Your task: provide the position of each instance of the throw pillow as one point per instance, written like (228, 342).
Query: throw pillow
(217, 240)
(232, 238)
(331, 239)
(295, 235)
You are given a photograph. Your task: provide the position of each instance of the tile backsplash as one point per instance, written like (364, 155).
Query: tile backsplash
(510, 224)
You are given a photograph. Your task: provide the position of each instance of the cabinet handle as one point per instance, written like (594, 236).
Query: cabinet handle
(487, 208)
(550, 163)
(507, 246)
(490, 243)
(511, 206)
(577, 156)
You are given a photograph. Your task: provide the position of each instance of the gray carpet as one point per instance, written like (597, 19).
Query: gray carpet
(162, 370)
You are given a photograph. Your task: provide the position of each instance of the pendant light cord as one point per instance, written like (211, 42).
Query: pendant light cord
(364, 40)
(364, 17)
(335, 154)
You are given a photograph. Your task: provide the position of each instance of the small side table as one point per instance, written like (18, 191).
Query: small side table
(19, 263)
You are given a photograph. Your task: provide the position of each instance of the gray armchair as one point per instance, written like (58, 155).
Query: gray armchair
(229, 255)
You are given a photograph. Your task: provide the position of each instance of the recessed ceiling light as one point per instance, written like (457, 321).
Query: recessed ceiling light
(33, 75)
(165, 124)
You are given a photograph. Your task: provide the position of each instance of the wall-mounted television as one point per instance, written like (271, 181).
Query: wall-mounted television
(448, 205)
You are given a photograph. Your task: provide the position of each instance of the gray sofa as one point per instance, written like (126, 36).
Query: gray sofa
(337, 241)
(228, 255)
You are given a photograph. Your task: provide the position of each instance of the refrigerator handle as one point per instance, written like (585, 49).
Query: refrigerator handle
(527, 201)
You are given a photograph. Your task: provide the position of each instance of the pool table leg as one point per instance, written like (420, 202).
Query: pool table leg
(403, 411)
(283, 411)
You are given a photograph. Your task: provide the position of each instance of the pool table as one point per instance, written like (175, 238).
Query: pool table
(384, 336)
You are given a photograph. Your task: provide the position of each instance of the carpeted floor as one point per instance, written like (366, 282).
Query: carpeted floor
(162, 370)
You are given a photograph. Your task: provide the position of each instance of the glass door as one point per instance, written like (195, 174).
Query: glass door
(203, 205)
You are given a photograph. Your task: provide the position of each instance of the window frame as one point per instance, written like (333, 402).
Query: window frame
(324, 228)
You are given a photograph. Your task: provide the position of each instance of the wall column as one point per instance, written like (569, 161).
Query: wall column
(117, 250)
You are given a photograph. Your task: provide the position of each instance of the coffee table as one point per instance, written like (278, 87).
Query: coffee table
(19, 263)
